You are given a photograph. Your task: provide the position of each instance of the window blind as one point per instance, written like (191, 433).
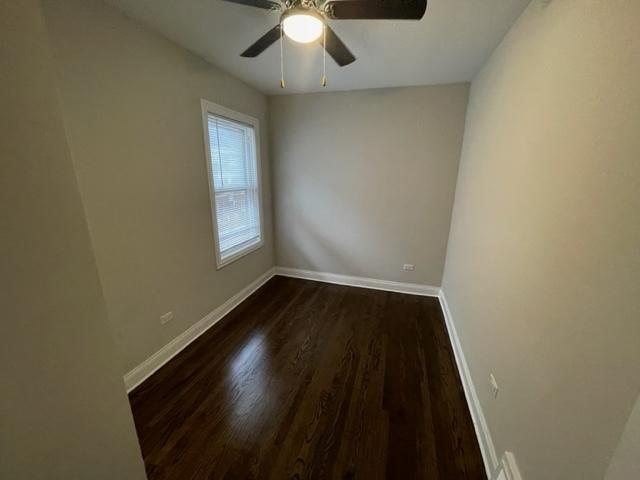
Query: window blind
(235, 184)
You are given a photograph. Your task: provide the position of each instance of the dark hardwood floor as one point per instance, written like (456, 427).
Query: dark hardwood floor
(308, 380)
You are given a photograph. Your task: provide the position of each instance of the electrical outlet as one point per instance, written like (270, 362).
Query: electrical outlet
(409, 267)
(166, 318)
(494, 386)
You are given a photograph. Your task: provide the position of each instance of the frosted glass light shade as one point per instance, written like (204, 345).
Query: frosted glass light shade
(302, 28)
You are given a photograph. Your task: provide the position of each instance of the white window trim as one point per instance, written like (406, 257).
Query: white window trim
(215, 109)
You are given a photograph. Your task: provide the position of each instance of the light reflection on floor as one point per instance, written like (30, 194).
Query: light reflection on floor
(248, 382)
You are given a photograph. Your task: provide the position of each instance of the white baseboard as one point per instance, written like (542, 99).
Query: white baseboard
(143, 371)
(479, 422)
(363, 282)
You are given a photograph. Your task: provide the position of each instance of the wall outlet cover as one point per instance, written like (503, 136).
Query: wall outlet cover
(166, 318)
(509, 470)
(494, 386)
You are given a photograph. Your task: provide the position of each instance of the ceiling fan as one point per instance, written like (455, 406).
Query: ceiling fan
(305, 21)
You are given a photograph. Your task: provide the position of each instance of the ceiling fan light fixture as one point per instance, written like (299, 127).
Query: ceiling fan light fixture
(302, 27)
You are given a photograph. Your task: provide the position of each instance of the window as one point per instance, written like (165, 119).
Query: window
(233, 166)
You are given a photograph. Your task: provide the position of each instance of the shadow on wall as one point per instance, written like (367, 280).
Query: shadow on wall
(311, 243)
(313, 249)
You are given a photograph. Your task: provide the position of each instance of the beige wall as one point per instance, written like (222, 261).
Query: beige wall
(625, 463)
(364, 180)
(132, 107)
(543, 265)
(63, 409)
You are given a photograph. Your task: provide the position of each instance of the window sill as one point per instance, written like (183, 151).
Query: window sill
(252, 247)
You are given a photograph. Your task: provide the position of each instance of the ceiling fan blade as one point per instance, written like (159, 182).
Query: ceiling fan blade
(376, 9)
(338, 50)
(263, 43)
(265, 4)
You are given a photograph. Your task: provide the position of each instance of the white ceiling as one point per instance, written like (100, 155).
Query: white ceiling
(448, 45)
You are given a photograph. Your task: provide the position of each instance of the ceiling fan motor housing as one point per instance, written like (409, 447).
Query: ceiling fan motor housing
(301, 10)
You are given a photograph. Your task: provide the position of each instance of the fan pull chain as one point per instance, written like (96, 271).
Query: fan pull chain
(323, 82)
(281, 59)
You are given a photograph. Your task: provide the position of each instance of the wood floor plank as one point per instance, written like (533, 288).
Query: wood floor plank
(308, 380)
